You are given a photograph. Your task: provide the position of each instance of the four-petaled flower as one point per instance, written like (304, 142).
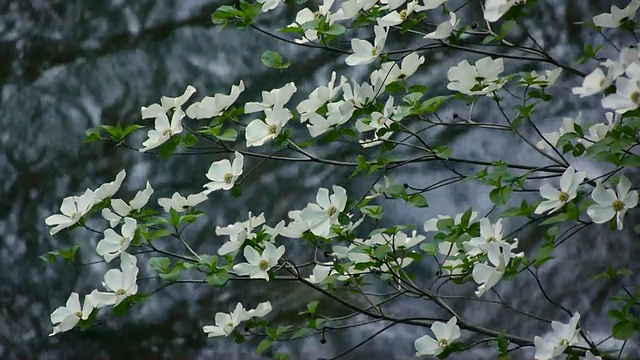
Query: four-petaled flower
(258, 266)
(325, 212)
(238, 233)
(122, 209)
(258, 131)
(569, 183)
(166, 104)
(554, 344)
(226, 323)
(112, 245)
(271, 98)
(617, 15)
(223, 174)
(479, 79)
(66, 317)
(610, 205)
(163, 130)
(122, 283)
(73, 208)
(109, 189)
(488, 274)
(445, 334)
(179, 203)
(445, 29)
(211, 106)
(364, 52)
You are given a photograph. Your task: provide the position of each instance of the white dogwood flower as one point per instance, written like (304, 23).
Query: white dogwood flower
(226, 323)
(223, 174)
(479, 79)
(495, 9)
(488, 235)
(179, 203)
(258, 265)
(258, 131)
(107, 190)
(319, 97)
(238, 233)
(211, 106)
(445, 29)
(555, 199)
(617, 16)
(67, 317)
(279, 96)
(610, 204)
(324, 213)
(112, 245)
(363, 51)
(166, 104)
(488, 274)
(73, 208)
(568, 126)
(445, 335)
(164, 130)
(554, 344)
(122, 209)
(122, 283)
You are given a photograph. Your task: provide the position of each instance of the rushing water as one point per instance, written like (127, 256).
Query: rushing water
(70, 65)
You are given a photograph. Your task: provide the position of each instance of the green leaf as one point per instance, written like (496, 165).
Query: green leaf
(160, 264)
(189, 140)
(431, 105)
(228, 135)
(335, 30)
(167, 149)
(312, 306)
(556, 219)
(218, 278)
(623, 330)
(236, 192)
(373, 211)
(264, 345)
(273, 59)
(51, 257)
(500, 196)
(443, 152)
(131, 128)
(92, 135)
(418, 200)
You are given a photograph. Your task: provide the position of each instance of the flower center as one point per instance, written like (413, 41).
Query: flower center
(635, 97)
(272, 129)
(230, 324)
(122, 240)
(78, 313)
(601, 82)
(563, 197)
(74, 215)
(228, 178)
(564, 342)
(479, 79)
(121, 292)
(491, 239)
(332, 210)
(317, 14)
(403, 14)
(166, 132)
(443, 342)
(618, 205)
(375, 51)
(263, 265)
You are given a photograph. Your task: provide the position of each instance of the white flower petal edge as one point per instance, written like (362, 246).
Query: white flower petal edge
(445, 335)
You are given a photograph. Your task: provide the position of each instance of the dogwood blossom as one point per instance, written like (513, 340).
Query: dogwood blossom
(269, 4)
(306, 15)
(595, 82)
(122, 283)
(617, 15)
(226, 323)
(279, 96)
(73, 208)
(541, 81)
(166, 104)
(258, 131)
(258, 265)
(223, 174)
(627, 95)
(350, 8)
(319, 97)
(610, 204)
(107, 190)
(211, 106)
(319, 274)
(390, 71)
(598, 132)
(569, 183)
(338, 113)
(163, 130)
(67, 317)
(360, 94)
(179, 203)
(324, 213)
(112, 245)
(363, 51)
(122, 209)
(568, 126)
(445, 335)
(297, 227)
(488, 235)
(480, 79)
(445, 29)
(238, 233)
(554, 344)
(488, 274)
(395, 17)
(495, 9)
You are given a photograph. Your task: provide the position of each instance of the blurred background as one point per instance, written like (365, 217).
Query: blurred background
(66, 66)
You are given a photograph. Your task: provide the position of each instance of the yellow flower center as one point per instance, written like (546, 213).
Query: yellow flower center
(563, 197)
(403, 14)
(78, 313)
(166, 132)
(635, 97)
(491, 239)
(121, 292)
(618, 205)
(332, 210)
(272, 129)
(263, 265)
(601, 82)
(122, 240)
(317, 14)
(230, 324)
(564, 342)
(443, 342)
(228, 178)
